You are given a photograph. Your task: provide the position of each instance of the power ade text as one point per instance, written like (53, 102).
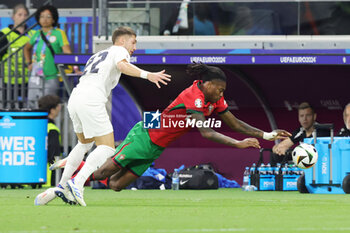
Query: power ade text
(17, 151)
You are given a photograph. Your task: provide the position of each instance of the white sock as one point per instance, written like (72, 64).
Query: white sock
(74, 159)
(95, 160)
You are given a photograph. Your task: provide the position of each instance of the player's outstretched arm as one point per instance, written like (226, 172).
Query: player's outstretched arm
(212, 135)
(282, 147)
(132, 70)
(242, 127)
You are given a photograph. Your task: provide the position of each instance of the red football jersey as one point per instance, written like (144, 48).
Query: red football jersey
(174, 117)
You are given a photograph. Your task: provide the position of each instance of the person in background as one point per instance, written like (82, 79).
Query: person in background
(15, 40)
(52, 104)
(39, 53)
(345, 131)
(307, 120)
(202, 22)
(3, 43)
(178, 20)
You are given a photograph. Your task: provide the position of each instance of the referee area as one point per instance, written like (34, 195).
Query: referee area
(275, 55)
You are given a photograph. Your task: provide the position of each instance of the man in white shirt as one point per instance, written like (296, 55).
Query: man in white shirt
(88, 113)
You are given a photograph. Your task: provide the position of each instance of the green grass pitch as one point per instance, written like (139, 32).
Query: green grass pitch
(223, 210)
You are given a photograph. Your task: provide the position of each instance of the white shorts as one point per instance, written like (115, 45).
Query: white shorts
(88, 118)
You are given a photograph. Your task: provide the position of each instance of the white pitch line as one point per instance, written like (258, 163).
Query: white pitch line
(318, 229)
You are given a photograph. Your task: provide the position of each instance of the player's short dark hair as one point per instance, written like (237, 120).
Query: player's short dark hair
(49, 102)
(306, 105)
(53, 11)
(205, 72)
(121, 31)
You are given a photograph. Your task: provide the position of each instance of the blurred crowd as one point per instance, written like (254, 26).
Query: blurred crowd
(240, 18)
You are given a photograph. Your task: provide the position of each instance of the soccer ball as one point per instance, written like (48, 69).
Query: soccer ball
(304, 155)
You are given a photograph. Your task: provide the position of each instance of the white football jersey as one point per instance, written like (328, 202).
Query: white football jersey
(101, 74)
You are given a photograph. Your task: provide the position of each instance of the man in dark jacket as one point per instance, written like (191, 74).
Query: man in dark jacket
(307, 120)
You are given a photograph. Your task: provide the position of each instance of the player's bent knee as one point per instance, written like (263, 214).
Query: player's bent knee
(98, 175)
(115, 186)
(103, 173)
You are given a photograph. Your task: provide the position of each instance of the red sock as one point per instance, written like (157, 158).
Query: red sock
(78, 169)
(92, 177)
(105, 182)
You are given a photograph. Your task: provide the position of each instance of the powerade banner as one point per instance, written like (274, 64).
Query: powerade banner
(267, 183)
(23, 147)
(290, 182)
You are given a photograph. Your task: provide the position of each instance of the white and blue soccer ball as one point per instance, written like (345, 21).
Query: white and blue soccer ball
(304, 156)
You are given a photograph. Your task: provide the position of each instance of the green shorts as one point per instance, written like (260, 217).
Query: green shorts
(137, 152)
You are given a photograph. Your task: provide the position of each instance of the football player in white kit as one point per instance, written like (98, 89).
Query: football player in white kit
(87, 110)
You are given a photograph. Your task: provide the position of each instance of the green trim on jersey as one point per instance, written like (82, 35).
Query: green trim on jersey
(137, 152)
(193, 111)
(179, 106)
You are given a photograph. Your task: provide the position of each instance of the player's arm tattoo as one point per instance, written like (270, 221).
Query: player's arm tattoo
(240, 126)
